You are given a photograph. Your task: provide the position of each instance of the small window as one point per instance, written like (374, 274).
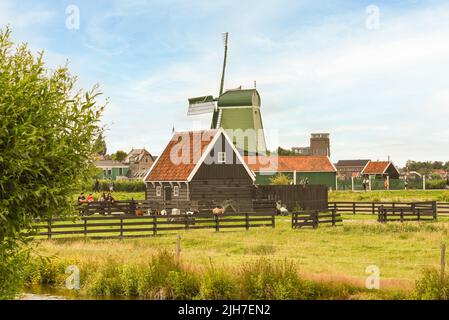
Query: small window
(176, 191)
(158, 191)
(221, 157)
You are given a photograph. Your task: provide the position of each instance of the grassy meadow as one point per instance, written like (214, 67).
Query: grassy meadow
(326, 263)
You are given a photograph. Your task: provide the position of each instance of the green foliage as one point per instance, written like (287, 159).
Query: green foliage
(47, 130)
(426, 167)
(119, 186)
(285, 152)
(218, 285)
(436, 184)
(119, 156)
(432, 285)
(100, 145)
(12, 257)
(280, 179)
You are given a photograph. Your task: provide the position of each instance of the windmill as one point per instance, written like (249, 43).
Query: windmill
(235, 110)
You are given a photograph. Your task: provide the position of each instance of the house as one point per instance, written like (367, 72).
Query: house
(200, 165)
(317, 169)
(139, 162)
(112, 169)
(381, 169)
(351, 168)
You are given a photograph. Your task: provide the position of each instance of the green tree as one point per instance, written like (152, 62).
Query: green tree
(47, 134)
(100, 145)
(119, 156)
(280, 179)
(285, 152)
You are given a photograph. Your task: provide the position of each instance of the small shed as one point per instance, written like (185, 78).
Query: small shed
(381, 169)
(200, 165)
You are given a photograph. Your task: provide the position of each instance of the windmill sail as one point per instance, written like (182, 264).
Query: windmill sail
(201, 105)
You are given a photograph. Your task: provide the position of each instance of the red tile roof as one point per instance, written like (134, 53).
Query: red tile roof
(180, 156)
(290, 163)
(376, 167)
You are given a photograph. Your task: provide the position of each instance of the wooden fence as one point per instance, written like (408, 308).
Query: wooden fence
(142, 207)
(126, 226)
(403, 214)
(309, 197)
(315, 218)
(373, 207)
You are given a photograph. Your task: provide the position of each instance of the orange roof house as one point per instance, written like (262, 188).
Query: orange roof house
(381, 168)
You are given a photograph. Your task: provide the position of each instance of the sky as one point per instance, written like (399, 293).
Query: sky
(373, 74)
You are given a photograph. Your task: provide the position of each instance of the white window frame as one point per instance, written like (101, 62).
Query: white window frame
(158, 191)
(176, 191)
(221, 157)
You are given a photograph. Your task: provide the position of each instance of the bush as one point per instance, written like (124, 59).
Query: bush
(119, 186)
(217, 285)
(432, 286)
(436, 184)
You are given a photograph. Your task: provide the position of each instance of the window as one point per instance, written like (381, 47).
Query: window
(176, 191)
(158, 191)
(221, 157)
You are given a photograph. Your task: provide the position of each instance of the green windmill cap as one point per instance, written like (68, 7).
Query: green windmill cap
(239, 98)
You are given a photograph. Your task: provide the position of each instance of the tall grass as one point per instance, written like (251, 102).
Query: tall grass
(165, 277)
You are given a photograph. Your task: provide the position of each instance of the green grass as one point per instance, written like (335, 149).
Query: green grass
(338, 254)
(391, 196)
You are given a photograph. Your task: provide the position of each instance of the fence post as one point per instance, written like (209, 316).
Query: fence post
(335, 206)
(443, 259)
(154, 224)
(379, 214)
(273, 220)
(419, 214)
(247, 220)
(315, 219)
(186, 222)
(435, 210)
(353, 207)
(217, 223)
(333, 218)
(402, 214)
(294, 215)
(85, 226)
(49, 227)
(121, 228)
(374, 207)
(178, 246)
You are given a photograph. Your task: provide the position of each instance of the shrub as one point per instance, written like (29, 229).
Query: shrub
(432, 286)
(280, 179)
(119, 186)
(436, 184)
(217, 285)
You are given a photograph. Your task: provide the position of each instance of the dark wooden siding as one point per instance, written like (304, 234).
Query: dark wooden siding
(222, 181)
(150, 193)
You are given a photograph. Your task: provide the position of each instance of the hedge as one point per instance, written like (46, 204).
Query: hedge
(119, 185)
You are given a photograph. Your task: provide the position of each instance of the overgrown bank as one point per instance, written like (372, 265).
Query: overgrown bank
(164, 277)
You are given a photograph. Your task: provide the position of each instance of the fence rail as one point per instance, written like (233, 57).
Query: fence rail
(125, 226)
(405, 214)
(315, 218)
(438, 208)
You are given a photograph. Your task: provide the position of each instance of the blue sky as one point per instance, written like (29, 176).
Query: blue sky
(379, 92)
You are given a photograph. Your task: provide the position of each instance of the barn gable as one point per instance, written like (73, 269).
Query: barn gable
(187, 152)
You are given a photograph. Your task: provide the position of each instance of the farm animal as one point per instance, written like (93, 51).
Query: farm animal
(281, 209)
(217, 210)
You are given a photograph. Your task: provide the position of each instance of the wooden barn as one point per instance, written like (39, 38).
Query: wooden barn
(200, 165)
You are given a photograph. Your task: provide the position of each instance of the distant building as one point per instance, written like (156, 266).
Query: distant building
(381, 169)
(314, 169)
(319, 146)
(351, 168)
(112, 170)
(139, 162)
